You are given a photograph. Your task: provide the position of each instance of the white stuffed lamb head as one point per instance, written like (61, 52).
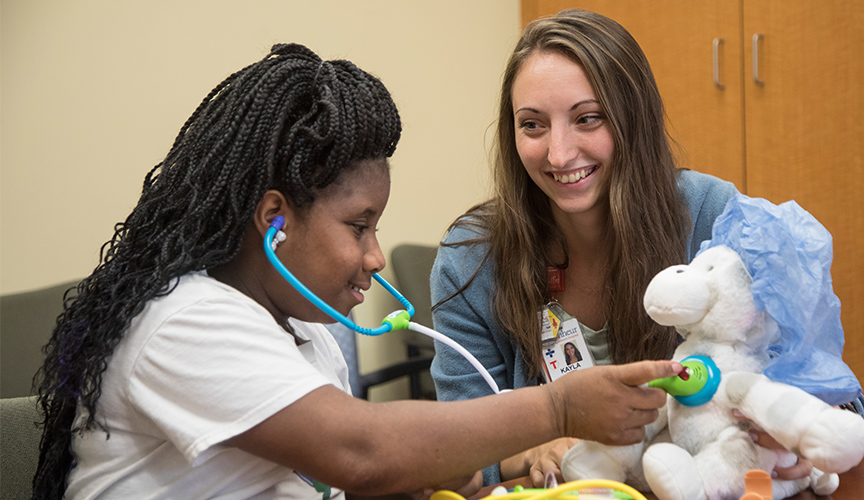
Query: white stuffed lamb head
(709, 298)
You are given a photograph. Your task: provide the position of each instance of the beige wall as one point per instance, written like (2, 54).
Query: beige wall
(94, 91)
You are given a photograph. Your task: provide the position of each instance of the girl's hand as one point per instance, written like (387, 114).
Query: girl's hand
(611, 404)
(799, 470)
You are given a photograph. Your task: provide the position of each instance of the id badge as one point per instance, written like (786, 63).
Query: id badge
(564, 346)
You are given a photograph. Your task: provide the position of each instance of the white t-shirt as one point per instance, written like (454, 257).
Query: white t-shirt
(198, 366)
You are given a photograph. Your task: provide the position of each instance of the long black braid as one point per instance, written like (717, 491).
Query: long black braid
(291, 122)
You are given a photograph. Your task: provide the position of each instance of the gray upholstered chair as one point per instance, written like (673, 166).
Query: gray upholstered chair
(26, 322)
(362, 382)
(412, 266)
(19, 446)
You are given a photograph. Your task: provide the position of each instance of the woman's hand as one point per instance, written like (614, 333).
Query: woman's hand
(547, 458)
(799, 470)
(537, 462)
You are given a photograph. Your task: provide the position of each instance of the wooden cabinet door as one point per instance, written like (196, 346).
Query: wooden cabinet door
(805, 130)
(799, 134)
(677, 37)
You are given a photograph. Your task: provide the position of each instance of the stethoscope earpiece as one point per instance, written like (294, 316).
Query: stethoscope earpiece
(278, 222)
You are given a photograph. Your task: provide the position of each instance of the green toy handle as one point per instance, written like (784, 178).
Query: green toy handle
(695, 385)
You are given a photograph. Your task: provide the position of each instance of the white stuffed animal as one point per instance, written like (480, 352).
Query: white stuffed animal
(704, 452)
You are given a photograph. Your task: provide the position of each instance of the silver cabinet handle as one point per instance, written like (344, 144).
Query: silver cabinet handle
(756, 38)
(717, 43)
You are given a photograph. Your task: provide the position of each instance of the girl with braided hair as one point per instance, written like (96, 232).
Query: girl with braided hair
(186, 367)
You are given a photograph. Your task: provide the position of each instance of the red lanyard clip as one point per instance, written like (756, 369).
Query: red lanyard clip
(555, 277)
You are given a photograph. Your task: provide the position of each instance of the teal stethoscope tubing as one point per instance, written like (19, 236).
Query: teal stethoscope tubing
(275, 226)
(386, 326)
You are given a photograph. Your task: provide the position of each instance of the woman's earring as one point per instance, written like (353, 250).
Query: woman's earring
(279, 237)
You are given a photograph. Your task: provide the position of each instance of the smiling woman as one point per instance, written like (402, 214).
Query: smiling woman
(562, 136)
(588, 206)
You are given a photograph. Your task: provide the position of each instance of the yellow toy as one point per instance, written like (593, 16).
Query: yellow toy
(586, 489)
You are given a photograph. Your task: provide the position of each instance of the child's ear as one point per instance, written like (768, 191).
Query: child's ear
(273, 203)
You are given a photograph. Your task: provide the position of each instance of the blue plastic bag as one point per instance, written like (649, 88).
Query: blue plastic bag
(788, 253)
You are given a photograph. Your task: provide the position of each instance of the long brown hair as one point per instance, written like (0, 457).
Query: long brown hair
(648, 223)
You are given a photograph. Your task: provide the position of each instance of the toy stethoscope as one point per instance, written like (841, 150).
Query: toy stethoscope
(693, 387)
(397, 320)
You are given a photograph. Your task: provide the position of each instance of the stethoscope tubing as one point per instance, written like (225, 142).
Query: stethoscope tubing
(461, 350)
(277, 224)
